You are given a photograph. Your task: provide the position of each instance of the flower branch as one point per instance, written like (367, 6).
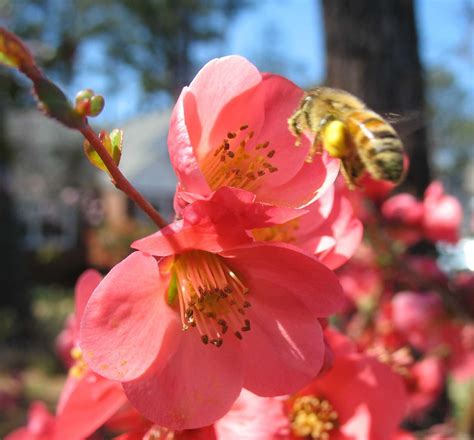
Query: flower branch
(54, 103)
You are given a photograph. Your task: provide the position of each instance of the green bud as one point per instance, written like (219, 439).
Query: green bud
(84, 95)
(97, 103)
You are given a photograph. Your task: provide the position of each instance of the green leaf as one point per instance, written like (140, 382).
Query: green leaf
(112, 143)
(54, 103)
(461, 394)
(93, 157)
(116, 138)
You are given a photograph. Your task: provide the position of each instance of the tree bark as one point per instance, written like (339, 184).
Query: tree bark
(372, 52)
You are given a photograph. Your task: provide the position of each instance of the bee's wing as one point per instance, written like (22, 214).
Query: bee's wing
(406, 122)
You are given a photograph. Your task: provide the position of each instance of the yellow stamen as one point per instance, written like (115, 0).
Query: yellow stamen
(238, 162)
(159, 433)
(312, 418)
(79, 368)
(399, 360)
(211, 296)
(284, 232)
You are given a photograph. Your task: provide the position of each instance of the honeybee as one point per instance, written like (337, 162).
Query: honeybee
(347, 129)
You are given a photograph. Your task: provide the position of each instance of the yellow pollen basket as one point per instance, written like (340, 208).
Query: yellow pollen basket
(334, 138)
(312, 418)
(238, 162)
(212, 297)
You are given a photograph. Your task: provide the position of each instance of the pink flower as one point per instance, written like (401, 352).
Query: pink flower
(155, 432)
(443, 214)
(229, 128)
(135, 427)
(403, 208)
(416, 314)
(249, 310)
(347, 402)
(40, 426)
(87, 400)
(437, 218)
(69, 336)
(362, 283)
(457, 340)
(329, 229)
(425, 383)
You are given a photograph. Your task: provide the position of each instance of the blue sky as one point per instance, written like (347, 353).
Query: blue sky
(287, 37)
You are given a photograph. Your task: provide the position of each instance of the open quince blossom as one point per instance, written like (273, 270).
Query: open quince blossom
(200, 311)
(229, 128)
(347, 402)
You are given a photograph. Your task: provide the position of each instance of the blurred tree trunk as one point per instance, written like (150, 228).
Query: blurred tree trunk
(372, 52)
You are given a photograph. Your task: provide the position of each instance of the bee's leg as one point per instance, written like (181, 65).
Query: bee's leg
(295, 127)
(352, 168)
(316, 147)
(346, 171)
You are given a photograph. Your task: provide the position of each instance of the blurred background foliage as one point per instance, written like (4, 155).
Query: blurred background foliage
(58, 217)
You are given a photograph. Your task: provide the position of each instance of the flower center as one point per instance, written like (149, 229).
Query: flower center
(212, 298)
(312, 418)
(238, 163)
(159, 433)
(399, 360)
(80, 367)
(284, 232)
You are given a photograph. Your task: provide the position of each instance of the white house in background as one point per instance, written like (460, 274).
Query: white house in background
(51, 180)
(44, 199)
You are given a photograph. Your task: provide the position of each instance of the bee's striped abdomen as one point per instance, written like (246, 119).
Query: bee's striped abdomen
(378, 145)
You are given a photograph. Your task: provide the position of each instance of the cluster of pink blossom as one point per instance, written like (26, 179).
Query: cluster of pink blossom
(237, 321)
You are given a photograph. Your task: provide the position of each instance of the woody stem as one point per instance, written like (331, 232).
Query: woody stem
(120, 180)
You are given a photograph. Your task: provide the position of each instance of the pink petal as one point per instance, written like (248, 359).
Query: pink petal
(281, 99)
(193, 388)
(253, 418)
(184, 132)
(299, 275)
(346, 231)
(311, 182)
(249, 213)
(127, 312)
(91, 403)
(361, 403)
(284, 349)
(218, 83)
(85, 285)
(206, 226)
(403, 208)
(247, 108)
(317, 212)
